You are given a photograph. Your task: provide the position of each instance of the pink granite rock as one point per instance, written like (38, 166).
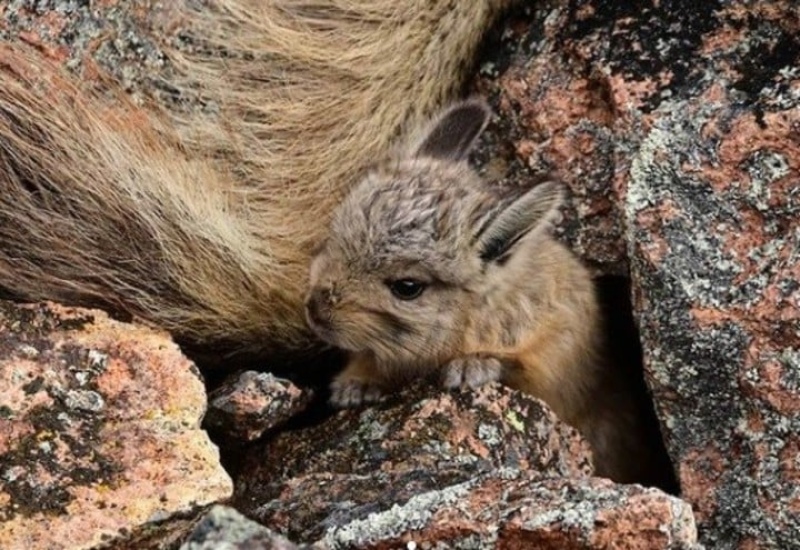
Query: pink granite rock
(522, 511)
(304, 481)
(250, 403)
(677, 128)
(99, 431)
(485, 469)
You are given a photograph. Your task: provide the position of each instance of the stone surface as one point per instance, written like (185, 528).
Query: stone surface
(677, 127)
(97, 39)
(459, 470)
(359, 462)
(250, 403)
(554, 119)
(520, 510)
(225, 528)
(99, 432)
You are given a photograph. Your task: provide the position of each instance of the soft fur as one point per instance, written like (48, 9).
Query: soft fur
(201, 222)
(501, 299)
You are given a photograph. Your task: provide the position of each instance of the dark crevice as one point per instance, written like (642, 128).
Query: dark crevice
(624, 352)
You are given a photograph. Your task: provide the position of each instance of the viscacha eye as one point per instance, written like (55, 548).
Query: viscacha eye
(406, 289)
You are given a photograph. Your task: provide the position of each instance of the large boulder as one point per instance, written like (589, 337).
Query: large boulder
(100, 439)
(677, 127)
(475, 469)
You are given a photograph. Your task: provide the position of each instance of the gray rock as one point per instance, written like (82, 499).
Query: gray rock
(223, 528)
(474, 469)
(251, 403)
(676, 126)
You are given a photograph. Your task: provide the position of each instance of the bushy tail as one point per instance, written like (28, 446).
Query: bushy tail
(99, 205)
(202, 220)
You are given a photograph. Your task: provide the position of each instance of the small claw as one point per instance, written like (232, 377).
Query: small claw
(472, 371)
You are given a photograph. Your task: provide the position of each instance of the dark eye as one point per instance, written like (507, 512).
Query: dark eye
(406, 289)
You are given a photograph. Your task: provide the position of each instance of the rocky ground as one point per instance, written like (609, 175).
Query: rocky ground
(675, 125)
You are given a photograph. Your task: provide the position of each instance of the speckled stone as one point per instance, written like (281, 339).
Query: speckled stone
(715, 250)
(475, 469)
(518, 510)
(677, 127)
(100, 38)
(358, 462)
(225, 528)
(249, 403)
(99, 432)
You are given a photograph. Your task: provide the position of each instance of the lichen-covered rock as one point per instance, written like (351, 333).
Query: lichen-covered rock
(95, 39)
(713, 208)
(99, 432)
(677, 127)
(300, 483)
(475, 469)
(556, 119)
(520, 510)
(224, 527)
(250, 403)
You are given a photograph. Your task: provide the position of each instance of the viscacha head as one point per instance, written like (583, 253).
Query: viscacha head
(416, 244)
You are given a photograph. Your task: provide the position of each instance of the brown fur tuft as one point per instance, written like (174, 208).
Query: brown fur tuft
(101, 206)
(204, 224)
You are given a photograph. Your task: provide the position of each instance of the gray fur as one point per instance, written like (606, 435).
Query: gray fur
(425, 216)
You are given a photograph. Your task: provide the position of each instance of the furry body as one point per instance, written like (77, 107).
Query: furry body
(427, 270)
(202, 222)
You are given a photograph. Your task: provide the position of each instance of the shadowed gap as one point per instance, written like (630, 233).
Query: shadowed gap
(624, 350)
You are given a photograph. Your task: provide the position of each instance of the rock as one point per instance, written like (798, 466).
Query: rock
(554, 119)
(250, 403)
(98, 39)
(677, 127)
(713, 206)
(520, 510)
(462, 469)
(302, 482)
(99, 432)
(224, 527)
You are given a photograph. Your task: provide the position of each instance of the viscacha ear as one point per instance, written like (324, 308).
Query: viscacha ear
(453, 133)
(530, 212)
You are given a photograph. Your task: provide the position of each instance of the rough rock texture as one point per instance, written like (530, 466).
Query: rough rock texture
(554, 119)
(225, 528)
(359, 462)
(713, 206)
(520, 510)
(95, 39)
(99, 432)
(462, 470)
(677, 127)
(250, 403)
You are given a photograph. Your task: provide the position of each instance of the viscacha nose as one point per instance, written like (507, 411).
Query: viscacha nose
(318, 308)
